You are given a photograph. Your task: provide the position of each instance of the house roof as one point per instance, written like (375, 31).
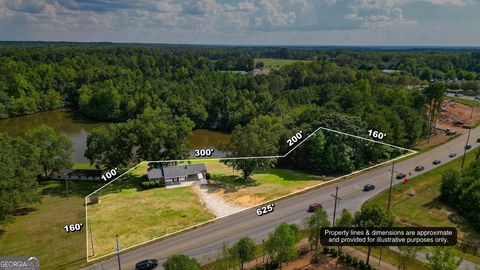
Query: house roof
(176, 171)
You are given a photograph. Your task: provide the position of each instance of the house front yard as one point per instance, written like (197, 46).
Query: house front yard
(266, 185)
(141, 215)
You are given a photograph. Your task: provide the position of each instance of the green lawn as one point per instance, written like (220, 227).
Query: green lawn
(425, 208)
(266, 185)
(38, 229)
(275, 63)
(140, 215)
(467, 102)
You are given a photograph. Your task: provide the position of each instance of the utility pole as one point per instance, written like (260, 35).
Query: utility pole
(117, 247)
(391, 185)
(91, 240)
(335, 206)
(465, 148)
(388, 210)
(473, 103)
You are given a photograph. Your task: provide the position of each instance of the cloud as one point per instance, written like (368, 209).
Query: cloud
(223, 21)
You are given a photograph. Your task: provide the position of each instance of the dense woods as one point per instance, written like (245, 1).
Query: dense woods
(156, 94)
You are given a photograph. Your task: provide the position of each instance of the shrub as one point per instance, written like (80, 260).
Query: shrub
(146, 185)
(354, 261)
(342, 256)
(361, 265)
(208, 176)
(334, 253)
(326, 250)
(348, 258)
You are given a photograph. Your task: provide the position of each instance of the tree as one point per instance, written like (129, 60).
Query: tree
(435, 93)
(259, 138)
(18, 171)
(181, 262)
(162, 136)
(371, 215)
(55, 150)
(244, 250)
(407, 255)
(281, 243)
(443, 258)
(111, 146)
(346, 220)
(227, 259)
(315, 223)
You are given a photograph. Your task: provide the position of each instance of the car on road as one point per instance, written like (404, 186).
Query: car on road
(401, 176)
(314, 206)
(458, 95)
(468, 146)
(452, 155)
(368, 187)
(437, 161)
(419, 168)
(146, 264)
(478, 140)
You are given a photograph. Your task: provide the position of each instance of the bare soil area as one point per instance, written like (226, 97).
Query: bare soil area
(452, 114)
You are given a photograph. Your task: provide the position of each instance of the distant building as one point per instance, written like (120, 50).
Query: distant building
(171, 175)
(78, 174)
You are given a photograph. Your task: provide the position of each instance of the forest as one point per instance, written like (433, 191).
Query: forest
(142, 89)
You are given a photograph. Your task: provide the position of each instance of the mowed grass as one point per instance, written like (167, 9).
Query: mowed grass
(142, 215)
(425, 208)
(266, 185)
(38, 229)
(276, 63)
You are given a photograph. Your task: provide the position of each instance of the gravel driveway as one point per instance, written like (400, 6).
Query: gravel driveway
(216, 204)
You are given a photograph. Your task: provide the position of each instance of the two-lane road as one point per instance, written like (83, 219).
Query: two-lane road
(204, 242)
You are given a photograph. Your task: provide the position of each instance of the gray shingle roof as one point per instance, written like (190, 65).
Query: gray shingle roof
(176, 171)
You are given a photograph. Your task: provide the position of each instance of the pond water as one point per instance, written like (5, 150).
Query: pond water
(78, 127)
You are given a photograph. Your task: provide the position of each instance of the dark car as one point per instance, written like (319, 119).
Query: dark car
(419, 168)
(478, 139)
(314, 206)
(146, 264)
(436, 162)
(452, 155)
(468, 146)
(458, 95)
(368, 187)
(401, 176)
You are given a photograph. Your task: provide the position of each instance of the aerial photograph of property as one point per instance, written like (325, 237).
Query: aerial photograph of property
(249, 134)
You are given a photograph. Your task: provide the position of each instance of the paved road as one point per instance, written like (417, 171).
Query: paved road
(462, 97)
(204, 242)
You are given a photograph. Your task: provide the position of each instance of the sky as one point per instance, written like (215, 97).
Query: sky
(245, 22)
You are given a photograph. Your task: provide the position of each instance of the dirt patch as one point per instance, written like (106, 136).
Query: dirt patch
(453, 111)
(451, 117)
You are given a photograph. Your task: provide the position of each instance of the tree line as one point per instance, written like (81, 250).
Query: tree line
(41, 152)
(282, 245)
(461, 190)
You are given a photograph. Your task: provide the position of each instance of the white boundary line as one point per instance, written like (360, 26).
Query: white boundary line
(412, 152)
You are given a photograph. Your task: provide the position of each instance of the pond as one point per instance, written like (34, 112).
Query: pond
(78, 127)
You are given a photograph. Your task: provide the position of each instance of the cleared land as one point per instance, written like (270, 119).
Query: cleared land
(38, 228)
(140, 215)
(266, 185)
(275, 63)
(425, 208)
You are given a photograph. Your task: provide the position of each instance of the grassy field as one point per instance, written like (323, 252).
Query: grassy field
(140, 215)
(425, 208)
(467, 102)
(275, 63)
(38, 229)
(266, 185)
